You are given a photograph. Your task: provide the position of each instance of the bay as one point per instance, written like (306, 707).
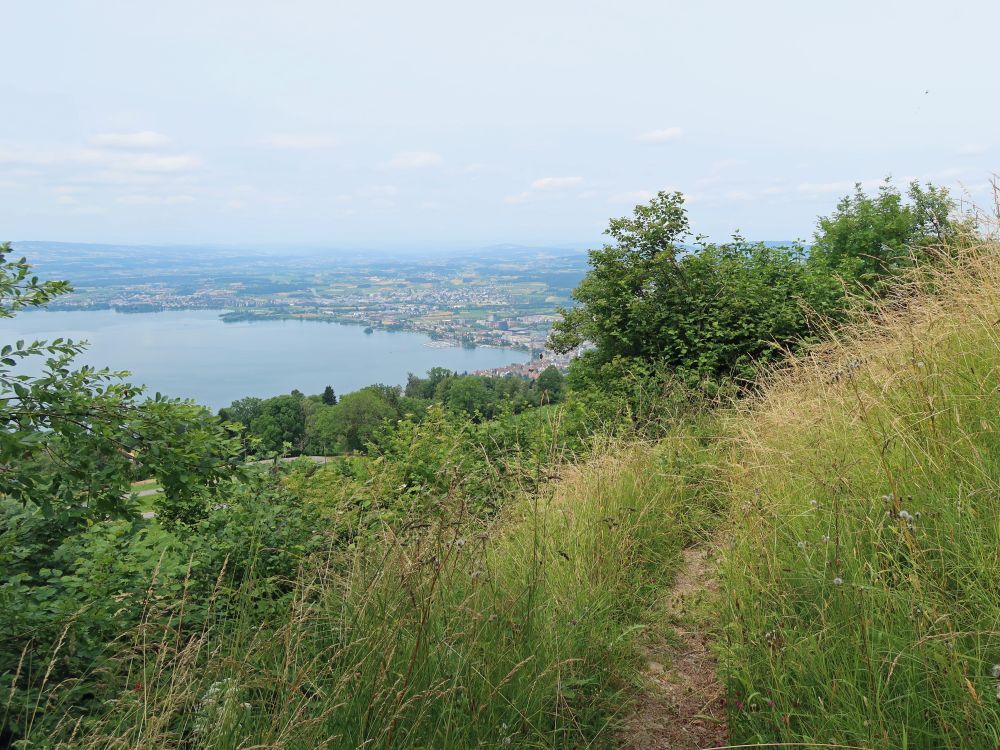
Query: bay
(193, 354)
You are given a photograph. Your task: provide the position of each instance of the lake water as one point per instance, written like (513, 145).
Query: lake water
(193, 354)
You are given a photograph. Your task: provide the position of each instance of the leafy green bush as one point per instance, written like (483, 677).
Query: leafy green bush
(717, 311)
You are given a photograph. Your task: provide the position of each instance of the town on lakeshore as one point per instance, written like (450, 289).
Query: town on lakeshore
(505, 297)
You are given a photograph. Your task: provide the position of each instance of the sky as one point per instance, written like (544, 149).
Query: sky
(375, 124)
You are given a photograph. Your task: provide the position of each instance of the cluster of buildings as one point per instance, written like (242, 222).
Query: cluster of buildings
(533, 367)
(159, 298)
(469, 312)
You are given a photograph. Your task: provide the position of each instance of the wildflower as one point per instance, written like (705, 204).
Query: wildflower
(905, 515)
(838, 581)
(826, 538)
(801, 545)
(814, 503)
(995, 671)
(886, 498)
(460, 543)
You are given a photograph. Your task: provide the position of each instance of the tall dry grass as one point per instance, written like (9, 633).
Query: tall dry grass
(864, 580)
(514, 632)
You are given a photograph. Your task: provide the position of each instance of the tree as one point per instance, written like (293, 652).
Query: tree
(358, 417)
(472, 395)
(324, 432)
(550, 384)
(417, 387)
(702, 311)
(869, 239)
(329, 397)
(244, 410)
(388, 393)
(282, 419)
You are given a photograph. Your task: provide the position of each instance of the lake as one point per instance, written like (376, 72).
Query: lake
(193, 354)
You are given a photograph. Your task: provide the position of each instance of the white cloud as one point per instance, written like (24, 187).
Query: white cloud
(555, 183)
(660, 136)
(633, 197)
(157, 162)
(103, 158)
(140, 139)
(300, 141)
(543, 184)
(415, 160)
(155, 200)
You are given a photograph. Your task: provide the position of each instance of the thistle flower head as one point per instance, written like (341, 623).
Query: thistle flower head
(838, 581)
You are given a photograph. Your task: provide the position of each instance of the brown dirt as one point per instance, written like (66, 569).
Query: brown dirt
(682, 703)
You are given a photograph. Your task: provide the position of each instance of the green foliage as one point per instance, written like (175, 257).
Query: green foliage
(359, 416)
(68, 605)
(709, 312)
(550, 385)
(282, 420)
(311, 425)
(712, 311)
(76, 561)
(458, 634)
(869, 240)
(244, 410)
(426, 388)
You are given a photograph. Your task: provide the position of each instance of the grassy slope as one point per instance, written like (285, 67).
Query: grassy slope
(864, 579)
(521, 634)
(861, 589)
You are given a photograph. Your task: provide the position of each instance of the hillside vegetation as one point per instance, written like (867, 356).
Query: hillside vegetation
(484, 563)
(863, 584)
(517, 632)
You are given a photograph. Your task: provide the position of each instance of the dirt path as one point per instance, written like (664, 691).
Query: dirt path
(682, 706)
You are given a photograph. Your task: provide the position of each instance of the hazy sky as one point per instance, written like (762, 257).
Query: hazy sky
(370, 123)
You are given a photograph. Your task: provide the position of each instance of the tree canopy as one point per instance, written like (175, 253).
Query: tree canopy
(655, 296)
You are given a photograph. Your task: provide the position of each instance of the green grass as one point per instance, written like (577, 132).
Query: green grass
(864, 580)
(520, 632)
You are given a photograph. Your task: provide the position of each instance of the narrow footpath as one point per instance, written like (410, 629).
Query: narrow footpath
(682, 705)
